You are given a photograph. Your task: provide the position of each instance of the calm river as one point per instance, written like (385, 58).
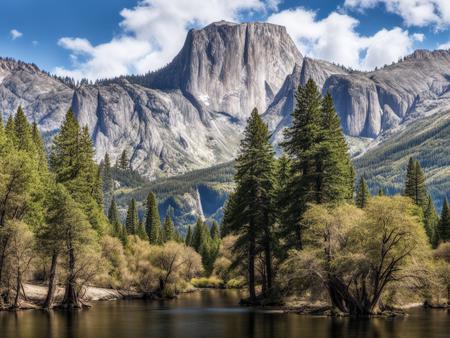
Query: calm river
(210, 314)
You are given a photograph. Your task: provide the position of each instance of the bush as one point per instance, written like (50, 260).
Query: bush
(208, 282)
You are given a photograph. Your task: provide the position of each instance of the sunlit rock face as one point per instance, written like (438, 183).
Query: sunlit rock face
(191, 113)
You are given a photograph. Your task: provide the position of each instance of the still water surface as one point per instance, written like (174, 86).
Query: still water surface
(211, 314)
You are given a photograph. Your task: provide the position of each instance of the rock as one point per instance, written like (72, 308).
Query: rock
(190, 114)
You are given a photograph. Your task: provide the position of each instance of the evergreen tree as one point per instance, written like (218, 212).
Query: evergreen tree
(333, 166)
(123, 161)
(381, 192)
(10, 130)
(141, 231)
(362, 193)
(198, 235)
(152, 220)
(215, 232)
(250, 213)
(321, 171)
(107, 179)
(39, 145)
(431, 221)
(132, 221)
(22, 129)
(444, 224)
(169, 232)
(113, 217)
(72, 161)
(415, 184)
(188, 239)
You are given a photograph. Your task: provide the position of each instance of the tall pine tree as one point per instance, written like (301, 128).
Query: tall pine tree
(444, 224)
(152, 220)
(250, 213)
(362, 193)
(415, 184)
(132, 220)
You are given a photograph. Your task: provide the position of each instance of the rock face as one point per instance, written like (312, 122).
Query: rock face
(191, 113)
(373, 102)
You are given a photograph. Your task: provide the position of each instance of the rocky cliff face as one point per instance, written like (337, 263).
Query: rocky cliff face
(190, 114)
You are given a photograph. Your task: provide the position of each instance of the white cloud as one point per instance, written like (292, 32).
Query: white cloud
(15, 34)
(414, 12)
(152, 34)
(335, 39)
(444, 45)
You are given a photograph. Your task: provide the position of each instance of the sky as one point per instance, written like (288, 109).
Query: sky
(105, 38)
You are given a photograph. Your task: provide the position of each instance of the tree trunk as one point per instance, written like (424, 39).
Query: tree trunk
(71, 299)
(251, 268)
(268, 254)
(298, 234)
(342, 299)
(18, 287)
(48, 303)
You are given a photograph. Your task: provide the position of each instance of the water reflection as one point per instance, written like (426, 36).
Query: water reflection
(212, 314)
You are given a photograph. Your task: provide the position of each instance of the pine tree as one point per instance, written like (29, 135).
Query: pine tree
(320, 167)
(72, 161)
(132, 221)
(333, 166)
(415, 184)
(362, 193)
(123, 161)
(169, 232)
(107, 179)
(444, 224)
(22, 131)
(39, 145)
(215, 232)
(250, 213)
(141, 231)
(198, 236)
(113, 217)
(188, 239)
(381, 192)
(152, 220)
(10, 130)
(431, 221)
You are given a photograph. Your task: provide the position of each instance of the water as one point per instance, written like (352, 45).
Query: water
(210, 314)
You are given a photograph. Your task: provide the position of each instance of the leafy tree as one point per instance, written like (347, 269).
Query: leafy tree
(152, 220)
(444, 224)
(132, 220)
(389, 248)
(362, 193)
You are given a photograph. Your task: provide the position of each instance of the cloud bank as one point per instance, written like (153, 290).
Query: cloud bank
(152, 33)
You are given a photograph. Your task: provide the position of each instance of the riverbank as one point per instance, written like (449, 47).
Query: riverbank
(34, 295)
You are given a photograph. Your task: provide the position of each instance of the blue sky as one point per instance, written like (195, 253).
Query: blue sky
(105, 38)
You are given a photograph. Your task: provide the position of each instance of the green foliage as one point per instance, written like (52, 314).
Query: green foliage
(444, 224)
(362, 193)
(71, 159)
(415, 184)
(152, 220)
(169, 233)
(132, 220)
(321, 171)
(188, 239)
